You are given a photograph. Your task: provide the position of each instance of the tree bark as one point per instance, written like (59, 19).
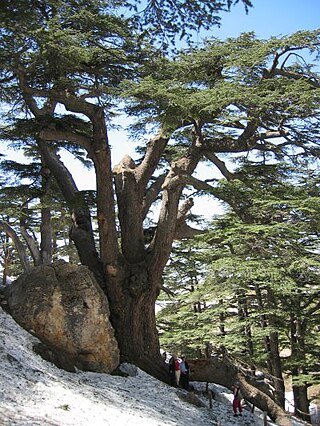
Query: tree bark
(18, 244)
(30, 240)
(46, 236)
(274, 356)
(132, 294)
(130, 200)
(6, 259)
(276, 369)
(271, 343)
(81, 235)
(300, 396)
(301, 402)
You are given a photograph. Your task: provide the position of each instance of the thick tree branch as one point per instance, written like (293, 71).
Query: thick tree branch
(151, 194)
(62, 175)
(81, 231)
(241, 144)
(221, 165)
(150, 162)
(28, 95)
(172, 190)
(188, 180)
(297, 76)
(99, 151)
(51, 134)
(182, 229)
(101, 156)
(130, 203)
(31, 243)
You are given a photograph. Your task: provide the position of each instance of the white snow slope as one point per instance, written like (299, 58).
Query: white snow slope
(35, 392)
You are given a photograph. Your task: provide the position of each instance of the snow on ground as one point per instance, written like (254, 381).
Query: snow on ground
(35, 392)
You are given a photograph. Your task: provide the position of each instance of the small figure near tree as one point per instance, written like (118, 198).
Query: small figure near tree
(174, 370)
(177, 370)
(184, 378)
(236, 404)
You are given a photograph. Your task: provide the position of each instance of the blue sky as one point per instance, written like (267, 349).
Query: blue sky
(270, 18)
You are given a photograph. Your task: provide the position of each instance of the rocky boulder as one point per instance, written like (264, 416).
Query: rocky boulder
(64, 307)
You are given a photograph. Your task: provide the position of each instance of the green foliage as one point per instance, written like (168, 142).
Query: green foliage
(225, 86)
(256, 274)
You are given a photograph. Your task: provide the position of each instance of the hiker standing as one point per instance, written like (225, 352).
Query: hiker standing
(177, 370)
(236, 403)
(172, 370)
(184, 378)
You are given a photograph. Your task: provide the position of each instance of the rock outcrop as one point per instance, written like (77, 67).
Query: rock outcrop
(64, 307)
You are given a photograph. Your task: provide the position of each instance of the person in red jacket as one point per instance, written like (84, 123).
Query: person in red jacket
(174, 369)
(236, 403)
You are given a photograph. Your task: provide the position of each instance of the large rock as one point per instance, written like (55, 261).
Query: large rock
(63, 306)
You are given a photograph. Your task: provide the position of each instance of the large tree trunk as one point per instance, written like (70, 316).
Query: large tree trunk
(271, 344)
(276, 369)
(46, 236)
(133, 286)
(300, 397)
(46, 245)
(132, 296)
(301, 402)
(274, 359)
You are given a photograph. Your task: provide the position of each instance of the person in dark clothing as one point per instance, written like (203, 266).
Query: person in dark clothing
(184, 378)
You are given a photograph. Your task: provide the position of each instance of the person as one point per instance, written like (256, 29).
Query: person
(236, 403)
(172, 370)
(177, 370)
(184, 378)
